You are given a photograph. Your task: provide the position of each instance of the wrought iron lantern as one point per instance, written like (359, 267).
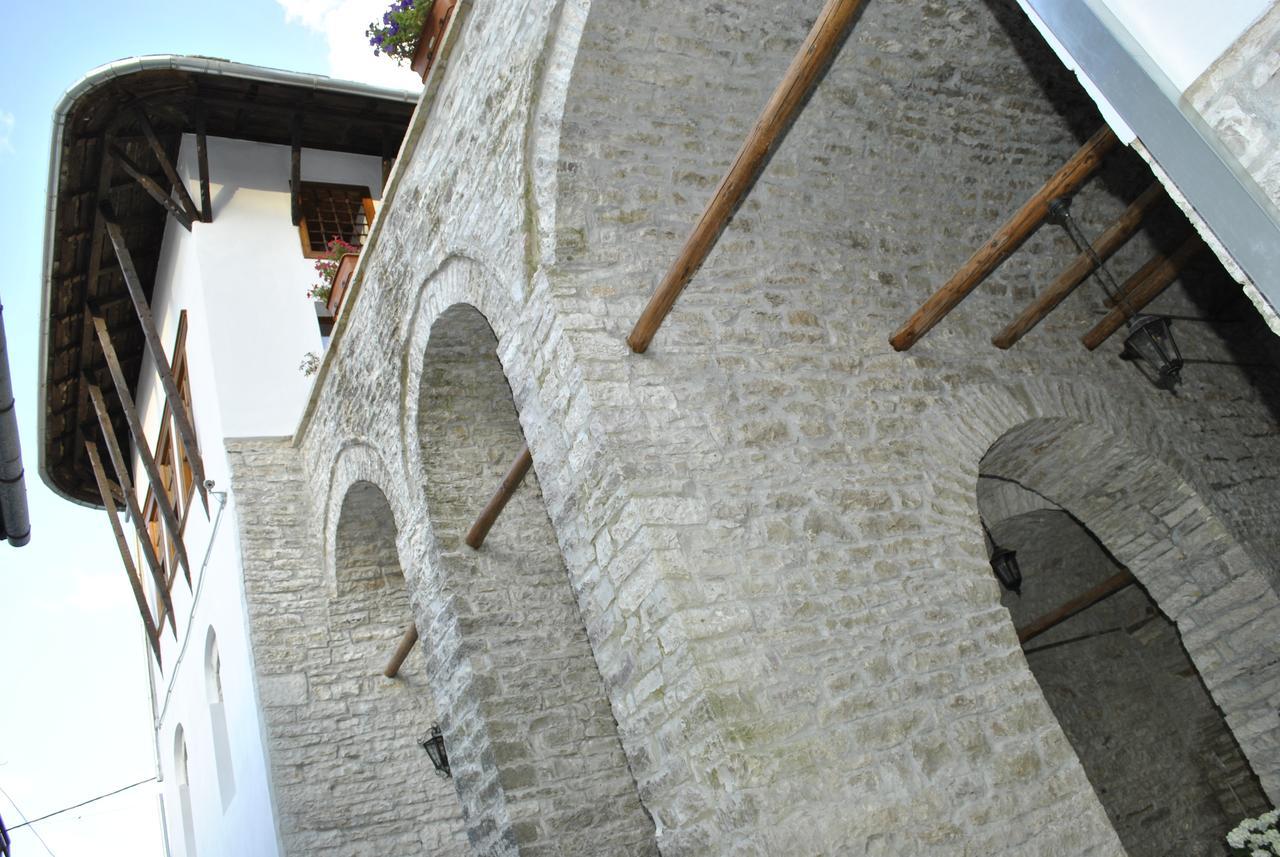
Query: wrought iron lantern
(1004, 563)
(1151, 344)
(434, 745)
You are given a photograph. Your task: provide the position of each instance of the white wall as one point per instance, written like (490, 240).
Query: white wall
(242, 280)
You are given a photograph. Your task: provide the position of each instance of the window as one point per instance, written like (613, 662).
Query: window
(333, 211)
(183, 782)
(218, 720)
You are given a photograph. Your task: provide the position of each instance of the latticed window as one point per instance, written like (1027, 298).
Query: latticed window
(333, 211)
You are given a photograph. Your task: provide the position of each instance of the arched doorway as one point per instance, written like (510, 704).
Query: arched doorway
(1137, 618)
(531, 736)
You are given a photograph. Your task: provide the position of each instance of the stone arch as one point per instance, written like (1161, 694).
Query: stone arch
(378, 722)
(356, 462)
(1152, 521)
(531, 735)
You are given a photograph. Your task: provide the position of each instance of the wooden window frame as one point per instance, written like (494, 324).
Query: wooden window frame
(366, 204)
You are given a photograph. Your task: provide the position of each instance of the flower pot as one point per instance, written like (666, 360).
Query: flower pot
(424, 54)
(341, 280)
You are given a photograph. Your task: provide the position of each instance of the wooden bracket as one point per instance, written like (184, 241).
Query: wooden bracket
(1008, 238)
(150, 185)
(1104, 248)
(1142, 288)
(815, 54)
(122, 543)
(202, 162)
(510, 482)
(140, 442)
(121, 466)
(171, 173)
(407, 642)
(177, 407)
(295, 168)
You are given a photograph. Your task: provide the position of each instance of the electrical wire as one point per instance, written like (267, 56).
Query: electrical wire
(25, 823)
(22, 816)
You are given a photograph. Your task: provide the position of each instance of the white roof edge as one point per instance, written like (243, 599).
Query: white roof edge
(123, 68)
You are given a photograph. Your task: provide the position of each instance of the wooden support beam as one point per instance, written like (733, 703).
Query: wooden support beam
(202, 162)
(1142, 288)
(1080, 603)
(177, 407)
(140, 441)
(122, 543)
(510, 482)
(121, 466)
(295, 168)
(1116, 236)
(150, 185)
(784, 105)
(407, 642)
(1009, 237)
(170, 172)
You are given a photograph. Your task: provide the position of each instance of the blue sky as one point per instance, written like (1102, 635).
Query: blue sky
(74, 714)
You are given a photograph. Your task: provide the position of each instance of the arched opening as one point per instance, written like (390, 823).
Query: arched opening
(1116, 552)
(218, 719)
(531, 735)
(182, 778)
(394, 803)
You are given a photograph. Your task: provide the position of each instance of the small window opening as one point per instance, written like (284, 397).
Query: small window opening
(333, 211)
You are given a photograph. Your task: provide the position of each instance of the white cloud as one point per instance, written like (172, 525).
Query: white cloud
(7, 121)
(343, 24)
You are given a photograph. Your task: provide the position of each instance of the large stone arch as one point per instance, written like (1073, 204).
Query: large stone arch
(533, 741)
(1158, 526)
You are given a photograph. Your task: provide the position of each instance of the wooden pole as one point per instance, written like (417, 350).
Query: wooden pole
(121, 466)
(785, 104)
(510, 482)
(177, 407)
(179, 186)
(1104, 247)
(109, 503)
(1080, 603)
(407, 642)
(152, 188)
(202, 162)
(140, 441)
(295, 169)
(1142, 288)
(1074, 173)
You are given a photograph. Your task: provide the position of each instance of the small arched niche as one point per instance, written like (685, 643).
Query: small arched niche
(182, 779)
(1116, 552)
(218, 719)
(397, 803)
(532, 738)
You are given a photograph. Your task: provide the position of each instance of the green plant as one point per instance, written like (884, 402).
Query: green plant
(397, 34)
(327, 266)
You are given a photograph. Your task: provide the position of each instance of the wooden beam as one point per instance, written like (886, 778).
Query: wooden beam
(140, 441)
(202, 161)
(1074, 173)
(1142, 288)
(784, 105)
(171, 173)
(1116, 236)
(1080, 603)
(121, 466)
(122, 543)
(150, 185)
(177, 407)
(510, 482)
(295, 169)
(407, 642)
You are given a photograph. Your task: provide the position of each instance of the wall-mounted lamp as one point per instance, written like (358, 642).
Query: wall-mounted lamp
(1004, 563)
(434, 745)
(1150, 343)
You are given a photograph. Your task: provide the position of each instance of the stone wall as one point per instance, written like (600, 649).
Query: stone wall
(769, 521)
(1156, 749)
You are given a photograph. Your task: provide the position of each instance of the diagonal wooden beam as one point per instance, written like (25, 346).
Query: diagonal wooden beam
(1080, 603)
(405, 647)
(202, 161)
(140, 441)
(121, 466)
(1142, 288)
(150, 185)
(171, 173)
(815, 54)
(508, 486)
(177, 407)
(1008, 238)
(1116, 236)
(135, 583)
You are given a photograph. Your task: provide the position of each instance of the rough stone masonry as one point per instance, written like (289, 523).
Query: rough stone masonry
(769, 523)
